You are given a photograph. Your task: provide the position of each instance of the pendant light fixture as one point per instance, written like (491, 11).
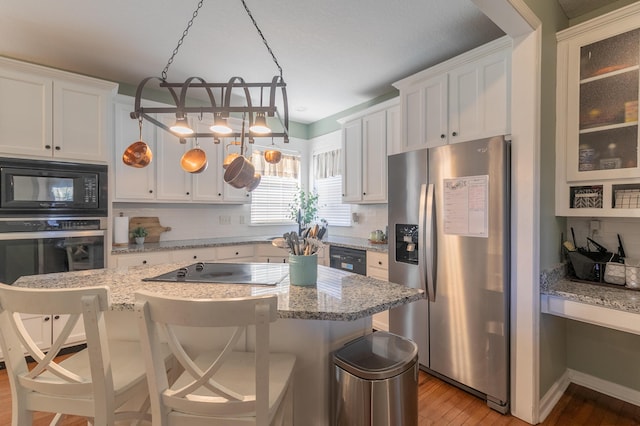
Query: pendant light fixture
(220, 109)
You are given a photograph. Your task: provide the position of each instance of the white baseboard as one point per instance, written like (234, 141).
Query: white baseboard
(553, 395)
(623, 393)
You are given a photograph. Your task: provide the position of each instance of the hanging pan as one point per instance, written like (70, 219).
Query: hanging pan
(138, 154)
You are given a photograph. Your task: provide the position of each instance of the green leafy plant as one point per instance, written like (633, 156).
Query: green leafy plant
(304, 208)
(140, 231)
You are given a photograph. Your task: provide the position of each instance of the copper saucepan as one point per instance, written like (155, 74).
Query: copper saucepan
(138, 154)
(194, 160)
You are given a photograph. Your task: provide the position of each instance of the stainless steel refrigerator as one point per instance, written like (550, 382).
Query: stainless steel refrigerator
(449, 210)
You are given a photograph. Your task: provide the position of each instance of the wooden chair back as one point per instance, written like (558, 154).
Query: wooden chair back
(202, 395)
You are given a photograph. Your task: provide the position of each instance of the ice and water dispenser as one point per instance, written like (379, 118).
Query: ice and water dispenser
(407, 243)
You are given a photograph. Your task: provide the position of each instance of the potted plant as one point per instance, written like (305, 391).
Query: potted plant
(304, 209)
(139, 233)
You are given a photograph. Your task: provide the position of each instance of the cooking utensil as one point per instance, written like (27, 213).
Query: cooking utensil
(620, 248)
(231, 155)
(573, 235)
(257, 177)
(194, 160)
(279, 242)
(138, 154)
(239, 173)
(599, 247)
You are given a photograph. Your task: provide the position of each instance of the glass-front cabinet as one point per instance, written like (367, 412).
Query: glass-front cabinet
(597, 163)
(608, 109)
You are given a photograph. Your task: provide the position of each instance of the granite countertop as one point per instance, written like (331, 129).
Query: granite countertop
(351, 242)
(338, 296)
(555, 282)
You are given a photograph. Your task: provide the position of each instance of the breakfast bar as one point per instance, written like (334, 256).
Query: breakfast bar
(313, 320)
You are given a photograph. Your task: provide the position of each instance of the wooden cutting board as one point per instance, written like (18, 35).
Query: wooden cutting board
(151, 224)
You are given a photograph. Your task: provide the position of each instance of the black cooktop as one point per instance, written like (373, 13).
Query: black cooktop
(227, 273)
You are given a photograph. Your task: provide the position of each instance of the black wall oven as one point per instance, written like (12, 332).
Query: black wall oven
(31, 247)
(53, 217)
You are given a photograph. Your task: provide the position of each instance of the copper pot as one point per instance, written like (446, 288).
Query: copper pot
(138, 155)
(229, 159)
(239, 173)
(194, 161)
(272, 156)
(254, 182)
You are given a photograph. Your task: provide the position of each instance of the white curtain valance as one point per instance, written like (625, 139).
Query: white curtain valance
(327, 164)
(288, 166)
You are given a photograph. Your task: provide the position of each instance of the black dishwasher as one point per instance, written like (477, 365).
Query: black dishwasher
(348, 259)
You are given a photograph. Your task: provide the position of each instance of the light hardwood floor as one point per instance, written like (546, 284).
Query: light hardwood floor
(442, 404)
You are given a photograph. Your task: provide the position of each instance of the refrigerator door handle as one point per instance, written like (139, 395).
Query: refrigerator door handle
(429, 246)
(422, 242)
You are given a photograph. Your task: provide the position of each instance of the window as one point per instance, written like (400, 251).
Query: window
(328, 183)
(270, 200)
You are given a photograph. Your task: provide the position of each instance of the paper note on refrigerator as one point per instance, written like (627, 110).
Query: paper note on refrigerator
(466, 206)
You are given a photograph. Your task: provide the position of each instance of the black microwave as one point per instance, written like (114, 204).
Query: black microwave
(52, 188)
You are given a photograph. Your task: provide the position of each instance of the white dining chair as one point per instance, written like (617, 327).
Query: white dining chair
(225, 386)
(94, 382)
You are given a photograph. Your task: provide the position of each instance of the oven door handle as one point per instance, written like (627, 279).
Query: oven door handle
(50, 234)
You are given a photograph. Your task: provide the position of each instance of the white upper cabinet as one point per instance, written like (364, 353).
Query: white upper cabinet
(132, 184)
(597, 156)
(174, 184)
(164, 180)
(53, 114)
(365, 138)
(352, 161)
(464, 98)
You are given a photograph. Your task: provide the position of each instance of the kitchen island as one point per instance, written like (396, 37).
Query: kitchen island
(313, 321)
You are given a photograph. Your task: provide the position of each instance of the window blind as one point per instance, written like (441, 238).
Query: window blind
(270, 200)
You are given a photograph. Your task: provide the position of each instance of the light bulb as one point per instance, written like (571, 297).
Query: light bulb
(260, 125)
(181, 127)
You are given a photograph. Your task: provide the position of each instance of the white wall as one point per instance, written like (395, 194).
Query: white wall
(607, 234)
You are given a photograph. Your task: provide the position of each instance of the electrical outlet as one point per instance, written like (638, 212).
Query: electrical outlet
(224, 219)
(594, 227)
(241, 219)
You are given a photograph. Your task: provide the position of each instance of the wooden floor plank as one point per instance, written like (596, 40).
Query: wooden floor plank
(442, 404)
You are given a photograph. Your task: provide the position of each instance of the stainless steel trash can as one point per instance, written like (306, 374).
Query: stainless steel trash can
(376, 381)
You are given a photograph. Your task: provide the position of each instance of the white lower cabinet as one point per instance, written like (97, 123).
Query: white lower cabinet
(195, 255)
(239, 253)
(267, 253)
(126, 260)
(378, 267)
(45, 329)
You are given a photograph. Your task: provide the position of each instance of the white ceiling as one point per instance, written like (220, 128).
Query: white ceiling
(335, 54)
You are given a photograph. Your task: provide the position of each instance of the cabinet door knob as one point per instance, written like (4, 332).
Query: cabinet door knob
(56, 317)
(57, 148)
(188, 193)
(151, 191)
(364, 193)
(47, 146)
(195, 257)
(442, 136)
(219, 194)
(144, 262)
(454, 134)
(237, 253)
(379, 263)
(46, 319)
